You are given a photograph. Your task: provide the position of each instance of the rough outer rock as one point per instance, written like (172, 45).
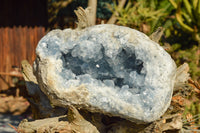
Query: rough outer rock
(109, 69)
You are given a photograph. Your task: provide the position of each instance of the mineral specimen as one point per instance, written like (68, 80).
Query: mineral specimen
(106, 68)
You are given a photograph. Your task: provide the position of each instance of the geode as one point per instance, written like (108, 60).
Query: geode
(110, 69)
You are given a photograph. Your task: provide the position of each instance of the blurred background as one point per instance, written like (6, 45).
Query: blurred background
(23, 23)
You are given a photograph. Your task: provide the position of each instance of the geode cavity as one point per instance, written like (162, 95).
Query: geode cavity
(109, 69)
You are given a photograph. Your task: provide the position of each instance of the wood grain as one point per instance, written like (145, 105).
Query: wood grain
(17, 44)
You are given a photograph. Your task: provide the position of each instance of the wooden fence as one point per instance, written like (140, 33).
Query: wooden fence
(17, 44)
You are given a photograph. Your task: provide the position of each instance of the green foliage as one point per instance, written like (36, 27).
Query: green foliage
(186, 48)
(139, 13)
(194, 110)
(188, 16)
(191, 56)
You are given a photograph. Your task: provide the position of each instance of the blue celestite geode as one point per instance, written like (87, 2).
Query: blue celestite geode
(109, 69)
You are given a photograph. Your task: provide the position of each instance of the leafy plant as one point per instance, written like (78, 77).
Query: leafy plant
(191, 116)
(190, 55)
(143, 15)
(188, 16)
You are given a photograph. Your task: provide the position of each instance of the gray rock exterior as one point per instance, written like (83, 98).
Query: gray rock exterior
(109, 69)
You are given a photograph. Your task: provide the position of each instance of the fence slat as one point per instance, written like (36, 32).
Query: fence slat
(17, 44)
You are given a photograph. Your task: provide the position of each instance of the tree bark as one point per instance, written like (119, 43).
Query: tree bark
(93, 5)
